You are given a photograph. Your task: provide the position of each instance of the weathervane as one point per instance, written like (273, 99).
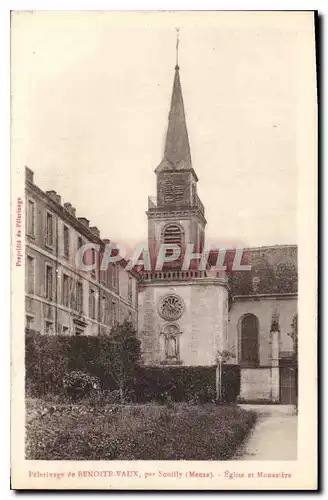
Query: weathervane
(177, 49)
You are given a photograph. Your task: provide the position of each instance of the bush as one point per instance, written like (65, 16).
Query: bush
(230, 383)
(112, 361)
(78, 384)
(138, 432)
(45, 363)
(194, 384)
(50, 358)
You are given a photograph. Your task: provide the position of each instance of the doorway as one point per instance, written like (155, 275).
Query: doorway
(288, 385)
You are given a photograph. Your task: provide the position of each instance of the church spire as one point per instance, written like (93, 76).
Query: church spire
(177, 150)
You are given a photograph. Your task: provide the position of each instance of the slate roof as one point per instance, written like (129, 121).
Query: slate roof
(273, 271)
(177, 149)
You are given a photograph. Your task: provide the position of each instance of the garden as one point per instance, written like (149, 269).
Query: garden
(90, 398)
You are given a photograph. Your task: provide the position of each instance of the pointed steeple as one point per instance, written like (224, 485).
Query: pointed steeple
(177, 150)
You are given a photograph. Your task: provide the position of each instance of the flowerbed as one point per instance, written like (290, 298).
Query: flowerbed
(56, 431)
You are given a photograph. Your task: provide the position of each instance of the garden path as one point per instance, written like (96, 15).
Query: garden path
(274, 436)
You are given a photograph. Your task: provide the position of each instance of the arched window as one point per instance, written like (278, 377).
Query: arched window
(249, 342)
(173, 234)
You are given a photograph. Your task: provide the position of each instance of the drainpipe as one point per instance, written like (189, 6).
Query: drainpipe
(99, 292)
(57, 277)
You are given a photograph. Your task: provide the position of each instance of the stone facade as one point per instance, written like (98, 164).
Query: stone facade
(263, 307)
(59, 297)
(183, 317)
(247, 314)
(202, 327)
(177, 216)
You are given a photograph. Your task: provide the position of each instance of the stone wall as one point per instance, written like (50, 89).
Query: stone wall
(202, 324)
(255, 384)
(58, 314)
(263, 307)
(171, 182)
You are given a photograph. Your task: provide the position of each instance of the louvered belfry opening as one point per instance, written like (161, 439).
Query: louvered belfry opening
(173, 235)
(177, 217)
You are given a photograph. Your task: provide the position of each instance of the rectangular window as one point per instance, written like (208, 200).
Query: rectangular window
(66, 241)
(130, 289)
(49, 327)
(114, 276)
(93, 261)
(114, 316)
(78, 331)
(103, 276)
(79, 242)
(30, 275)
(29, 322)
(65, 290)
(168, 192)
(30, 218)
(79, 297)
(108, 275)
(179, 192)
(104, 310)
(49, 282)
(92, 304)
(65, 330)
(49, 229)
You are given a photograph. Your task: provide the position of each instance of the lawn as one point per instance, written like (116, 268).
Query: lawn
(134, 432)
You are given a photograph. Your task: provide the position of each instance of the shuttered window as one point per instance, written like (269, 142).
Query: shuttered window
(173, 234)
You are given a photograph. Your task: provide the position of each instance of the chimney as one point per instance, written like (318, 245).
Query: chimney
(29, 174)
(84, 221)
(106, 241)
(70, 209)
(54, 196)
(95, 231)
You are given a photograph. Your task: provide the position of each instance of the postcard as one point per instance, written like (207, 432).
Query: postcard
(164, 250)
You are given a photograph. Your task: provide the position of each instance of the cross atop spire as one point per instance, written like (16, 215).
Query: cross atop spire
(177, 49)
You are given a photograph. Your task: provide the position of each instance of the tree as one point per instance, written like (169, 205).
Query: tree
(122, 356)
(294, 335)
(221, 358)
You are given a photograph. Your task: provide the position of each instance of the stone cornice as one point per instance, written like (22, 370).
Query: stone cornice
(183, 213)
(72, 221)
(265, 296)
(188, 282)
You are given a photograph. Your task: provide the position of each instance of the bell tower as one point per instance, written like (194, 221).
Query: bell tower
(182, 317)
(176, 215)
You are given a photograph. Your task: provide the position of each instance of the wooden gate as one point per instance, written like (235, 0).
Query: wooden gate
(288, 385)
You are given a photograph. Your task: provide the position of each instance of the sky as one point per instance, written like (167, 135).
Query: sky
(90, 101)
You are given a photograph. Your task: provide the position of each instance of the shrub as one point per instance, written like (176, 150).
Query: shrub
(111, 359)
(139, 432)
(78, 384)
(230, 383)
(185, 383)
(45, 363)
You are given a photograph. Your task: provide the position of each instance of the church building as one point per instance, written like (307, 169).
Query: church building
(190, 316)
(186, 314)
